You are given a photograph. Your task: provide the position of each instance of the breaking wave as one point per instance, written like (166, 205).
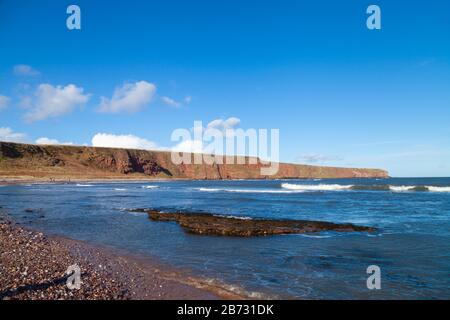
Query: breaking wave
(150, 187)
(247, 190)
(338, 187)
(234, 217)
(316, 187)
(438, 189)
(418, 189)
(401, 188)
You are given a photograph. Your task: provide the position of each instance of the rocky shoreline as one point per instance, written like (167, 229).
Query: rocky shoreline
(216, 225)
(33, 267)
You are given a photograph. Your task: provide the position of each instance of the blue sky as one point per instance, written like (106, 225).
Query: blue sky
(339, 93)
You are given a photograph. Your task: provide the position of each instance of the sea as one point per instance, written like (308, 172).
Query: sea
(411, 246)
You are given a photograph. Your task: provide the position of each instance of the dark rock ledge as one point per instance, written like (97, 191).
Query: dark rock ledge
(209, 224)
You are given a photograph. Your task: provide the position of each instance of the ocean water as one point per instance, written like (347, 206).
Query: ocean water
(412, 246)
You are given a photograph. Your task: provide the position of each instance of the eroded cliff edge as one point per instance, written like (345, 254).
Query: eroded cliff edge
(27, 161)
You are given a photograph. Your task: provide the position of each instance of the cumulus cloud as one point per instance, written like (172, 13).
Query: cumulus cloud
(317, 158)
(131, 97)
(224, 125)
(192, 146)
(4, 102)
(51, 102)
(128, 141)
(198, 146)
(170, 102)
(25, 70)
(8, 135)
(47, 141)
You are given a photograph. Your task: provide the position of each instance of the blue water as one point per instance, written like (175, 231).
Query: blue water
(412, 246)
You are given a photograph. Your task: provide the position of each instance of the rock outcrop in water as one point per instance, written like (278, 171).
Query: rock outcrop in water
(28, 161)
(209, 224)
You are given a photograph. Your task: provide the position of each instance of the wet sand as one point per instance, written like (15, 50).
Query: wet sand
(33, 266)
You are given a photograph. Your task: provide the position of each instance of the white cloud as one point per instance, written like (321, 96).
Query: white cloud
(128, 141)
(176, 104)
(317, 158)
(223, 125)
(131, 97)
(192, 146)
(25, 70)
(4, 101)
(198, 146)
(48, 141)
(7, 135)
(51, 102)
(170, 102)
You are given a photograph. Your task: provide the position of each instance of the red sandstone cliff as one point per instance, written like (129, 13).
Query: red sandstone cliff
(65, 162)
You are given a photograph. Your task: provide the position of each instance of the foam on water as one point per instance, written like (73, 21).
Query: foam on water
(419, 188)
(234, 217)
(375, 187)
(315, 236)
(247, 190)
(318, 187)
(401, 188)
(438, 189)
(232, 288)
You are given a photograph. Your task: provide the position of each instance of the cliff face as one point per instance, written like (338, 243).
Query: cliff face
(64, 162)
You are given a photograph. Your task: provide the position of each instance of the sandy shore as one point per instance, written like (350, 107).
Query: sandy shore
(34, 265)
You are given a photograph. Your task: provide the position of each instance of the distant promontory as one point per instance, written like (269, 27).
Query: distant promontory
(57, 162)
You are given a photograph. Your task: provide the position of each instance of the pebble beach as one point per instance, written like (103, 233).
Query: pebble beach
(33, 267)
